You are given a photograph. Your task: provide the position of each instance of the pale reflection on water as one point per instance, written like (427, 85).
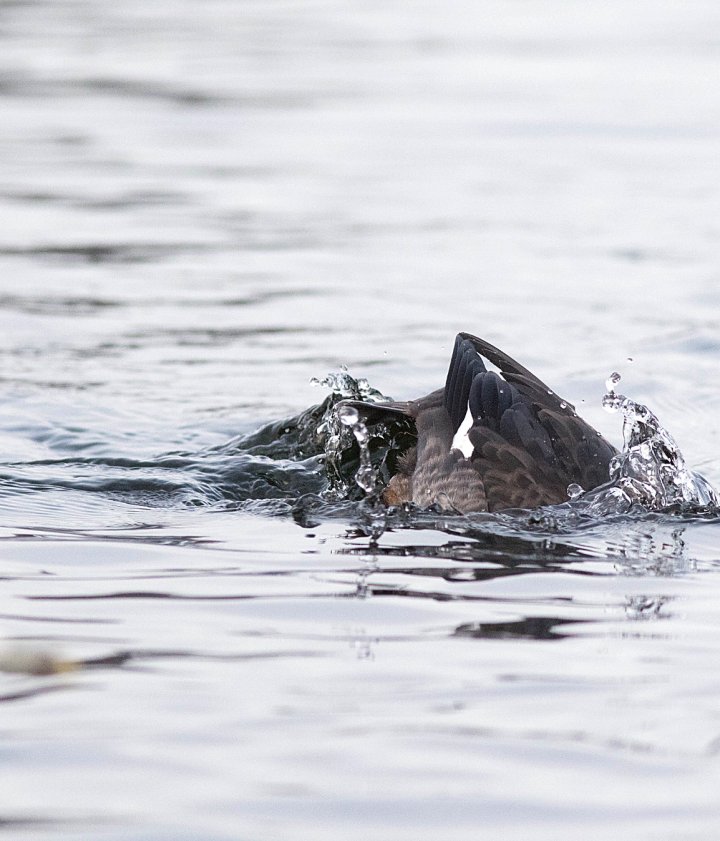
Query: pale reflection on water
(203, 208)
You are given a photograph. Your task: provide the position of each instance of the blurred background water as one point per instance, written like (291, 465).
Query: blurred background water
(206, 205)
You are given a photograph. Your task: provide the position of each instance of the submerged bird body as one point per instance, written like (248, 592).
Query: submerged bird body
(489, 441)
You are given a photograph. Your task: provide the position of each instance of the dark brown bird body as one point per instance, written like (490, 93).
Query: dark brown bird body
(523, 446)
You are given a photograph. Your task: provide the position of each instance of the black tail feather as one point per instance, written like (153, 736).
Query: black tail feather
(465, 365)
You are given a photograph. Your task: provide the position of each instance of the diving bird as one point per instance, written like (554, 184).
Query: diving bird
(491, 440)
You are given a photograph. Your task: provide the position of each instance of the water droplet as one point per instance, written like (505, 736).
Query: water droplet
(563, 404)
(348, 415)
(612, 381)
(365, 476)
(630, 359)
(575, 491)
(611, 402)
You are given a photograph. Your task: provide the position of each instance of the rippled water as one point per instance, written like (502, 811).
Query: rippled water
(206, 206)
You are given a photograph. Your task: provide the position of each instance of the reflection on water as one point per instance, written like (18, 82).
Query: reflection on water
(534, 628)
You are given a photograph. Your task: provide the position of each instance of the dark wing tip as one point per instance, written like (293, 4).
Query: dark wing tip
(499, 358)
(465, 365)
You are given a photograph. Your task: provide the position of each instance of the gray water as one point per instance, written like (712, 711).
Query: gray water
(206, 205)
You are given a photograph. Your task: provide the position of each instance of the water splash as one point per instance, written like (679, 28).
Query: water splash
(651, 470)
(366, 477)
(575, 491)
(346, 387)
(337, 428)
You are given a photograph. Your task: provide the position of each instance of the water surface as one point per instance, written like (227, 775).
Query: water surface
(206, 206)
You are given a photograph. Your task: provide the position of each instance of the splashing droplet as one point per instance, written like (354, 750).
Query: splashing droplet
(349, 415)
(611, 402)
(337, 427)
(651, 470)
(612, 381)
(575, 491)
(365, 477)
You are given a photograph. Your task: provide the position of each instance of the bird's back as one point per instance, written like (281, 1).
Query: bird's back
(490, 441)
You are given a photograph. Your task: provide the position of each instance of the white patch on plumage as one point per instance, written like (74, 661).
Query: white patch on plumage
(461, 441)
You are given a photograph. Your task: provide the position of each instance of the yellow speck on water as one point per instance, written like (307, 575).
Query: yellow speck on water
(33, 661)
